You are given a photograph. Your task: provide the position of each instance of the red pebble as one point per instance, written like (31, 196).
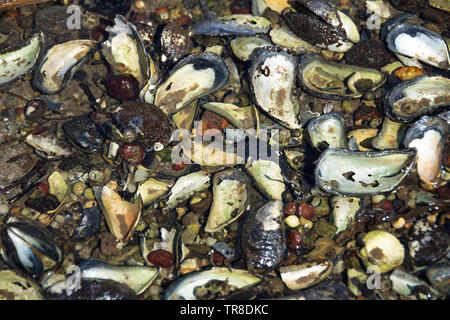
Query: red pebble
(20, 110)
(217, 258)
(44, 187)
(133, 153)
(123, 86)
(305, 210)
(179, 165)
(290, 208)
(294, 239)
(161, 258)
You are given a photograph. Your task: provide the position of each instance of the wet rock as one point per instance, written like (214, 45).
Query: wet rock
(89, 225)
(108, 244)
(15, 287)
(175, 42)
(413, 6)
(428, 243)
(369, 54)
(124, 87)
(43, 204)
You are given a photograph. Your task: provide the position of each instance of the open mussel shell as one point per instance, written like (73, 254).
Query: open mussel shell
(185, 287)
(272, 79)
(230, 198)
(357, 173)
(263, 240)
(83, 135)
(328, 131)
(323, 26)
(125, 51)
(418, 42)
(29, 246)
(243, 47)
(60, 63)
(297, 277)
(138, 278)
(329, 80)
(424, 95)
(233, 25)
(427, 136)
(193, 77)
(17, 62)
(121, 216)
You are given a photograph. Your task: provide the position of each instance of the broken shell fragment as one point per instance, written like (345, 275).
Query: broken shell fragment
(409, 100)
(193, 77)
(328, 131)
(17, 62)
(151, 190)
(344, 211)
(233, 25)
(47, 146)
(83, 135)
(121, 216)
(185, 187)
(357, 173)
(267, 176)
(138, 278)
(243, 47)
(185, 287)
(125, 51)
(272, 78)
(238, 117)
(406, 284)
(418, 42)
(390, 135)
(361, 137)
(230, 198)
(286, 38)
(383, 250)
(297, 277)
(330, 80)
(427, 136)
(263, 240)
(60, 63)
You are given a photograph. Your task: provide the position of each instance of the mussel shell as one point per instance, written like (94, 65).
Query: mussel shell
(17, 62)
(356, 173)
(184, 287)
(272, 79)
(243, 47)
(323, 26)
(83, 135)
(123, 26)
(137, 277)
(263, 240)
(418, 42)
(424, 95)
(231, 192)
(329, 129)
(234, 25)
(193, 77)
(371, 79)
(60, 63)
(30, 247)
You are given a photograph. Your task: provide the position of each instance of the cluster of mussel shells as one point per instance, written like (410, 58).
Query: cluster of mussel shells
(280, 64)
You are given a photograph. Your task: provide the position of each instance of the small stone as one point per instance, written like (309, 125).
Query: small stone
(234, 226)
(90, 204)
(25, 212)
(59, 219)
(292, 221)
(89, 194)
(78, 188)
(400, 223)
(108, 244)
(188, 236)
(4, 208)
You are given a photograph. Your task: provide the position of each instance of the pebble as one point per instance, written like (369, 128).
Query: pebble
(400, 223)
(60, 220)
(89, 194)
(292, 221)
(4, 208)
(78, 188)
